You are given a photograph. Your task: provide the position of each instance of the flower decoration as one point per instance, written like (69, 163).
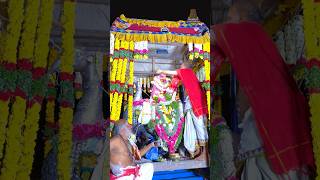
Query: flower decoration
(66, 98)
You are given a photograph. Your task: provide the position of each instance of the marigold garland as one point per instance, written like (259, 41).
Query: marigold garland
(11, 158)
(310, 28)
(64, 166)
(130, 85)
(122, 81)
(116, 93)
(314, 103)
(39, 86)
(15, 14)
(311, 12)
(113, 77)
(206, 49)
(51, 96)
(29, 141)
(65, 143)
(23, 88)
(159, 38)
(4, 111)
(9, 49)
(162, 38)
(118, 86)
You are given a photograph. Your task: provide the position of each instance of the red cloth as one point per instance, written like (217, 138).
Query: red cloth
(194, 91)
(127, 172)
(280, 109)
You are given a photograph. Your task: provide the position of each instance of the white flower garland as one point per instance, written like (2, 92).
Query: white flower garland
(280, 42)
(112, 39)
(290, 40)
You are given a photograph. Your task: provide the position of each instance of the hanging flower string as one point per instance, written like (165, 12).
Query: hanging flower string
(50, 107)
(115, 85)
(114, 60)
(130, 83)
(311, 11)
(23, 82)
(124, 56)
(206, 56)
(7, 68)
(38, 88)
(66, 98)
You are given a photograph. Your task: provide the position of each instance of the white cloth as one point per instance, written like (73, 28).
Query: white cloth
(256, 165)
(250, 139)
(195, 128)
(145, 173)
(147, 113)
(257, 168)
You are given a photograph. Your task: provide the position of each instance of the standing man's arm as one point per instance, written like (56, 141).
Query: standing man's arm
(172, 73)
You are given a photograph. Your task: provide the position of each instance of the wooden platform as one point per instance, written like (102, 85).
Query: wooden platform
(177, 165)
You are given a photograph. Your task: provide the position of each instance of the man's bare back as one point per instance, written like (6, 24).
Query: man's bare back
(120, 154)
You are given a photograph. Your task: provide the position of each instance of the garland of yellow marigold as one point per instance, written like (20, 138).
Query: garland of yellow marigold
(130, 84)
(124, 48)
(22, 92)
(67, 96)
(114, 60)
(7, 66)
(206, 49)
(311, 11)
(115, 91)
(38, 91)
(51, 96)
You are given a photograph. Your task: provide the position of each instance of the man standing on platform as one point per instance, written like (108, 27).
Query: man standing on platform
(196, 111)
(276, 141)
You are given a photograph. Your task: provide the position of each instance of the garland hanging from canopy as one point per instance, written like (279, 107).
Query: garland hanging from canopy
(66, 99)
(38, 87)
(311, 11)
(8, 63)
(13, 153)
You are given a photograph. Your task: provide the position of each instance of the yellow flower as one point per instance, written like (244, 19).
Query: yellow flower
(130, 109)
(9, 43)
(43, 35)
(311, 13)
(12, 35)
(41, 51)
(29, 141)
(314, 109)
(14, 137)
(4, 113)
(26, 47)
(66, 114)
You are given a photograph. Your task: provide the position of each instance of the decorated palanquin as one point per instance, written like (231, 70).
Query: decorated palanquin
(129, 42)
(162, 112)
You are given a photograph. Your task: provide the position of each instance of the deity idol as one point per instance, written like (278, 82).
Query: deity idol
(166, 112)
